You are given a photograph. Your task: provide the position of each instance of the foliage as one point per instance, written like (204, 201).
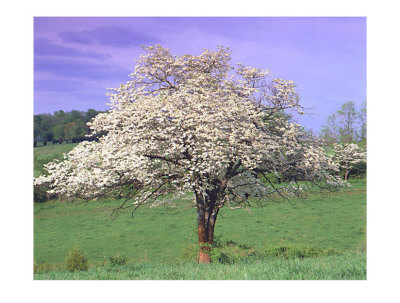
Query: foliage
(347, 117)
(359, 170)
(219, 256)
(40, 193)
(231, 252)
(228, 252)
(347, 156)
(295, 251)
(76, 260)
(63, 126)
(329, 131)
(346, 125)
(117, 260)
(225, 252)
(362, 116)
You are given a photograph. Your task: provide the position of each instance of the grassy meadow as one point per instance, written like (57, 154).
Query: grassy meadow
(158, 243)
(52, 151)
(343, 267)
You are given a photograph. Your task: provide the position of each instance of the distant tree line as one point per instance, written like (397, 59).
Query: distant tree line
(346, 128)
(63, 127)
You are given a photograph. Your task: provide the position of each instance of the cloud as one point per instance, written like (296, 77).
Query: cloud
(80, 68)
(58, 85)
(110, 36)
(45, 47)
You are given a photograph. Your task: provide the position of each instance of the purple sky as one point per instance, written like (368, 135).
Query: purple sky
(76, 59)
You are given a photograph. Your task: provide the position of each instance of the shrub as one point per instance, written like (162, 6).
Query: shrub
(358, 171)
(218, 256)
(76, 260)
(117, 260)
(289, 252)
(191, 252)
(40, 193)
(225, 252)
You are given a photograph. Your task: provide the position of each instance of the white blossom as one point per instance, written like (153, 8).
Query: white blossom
(348, 155)
(197, 124)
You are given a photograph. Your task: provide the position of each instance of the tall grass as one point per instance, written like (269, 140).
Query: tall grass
(344, 267)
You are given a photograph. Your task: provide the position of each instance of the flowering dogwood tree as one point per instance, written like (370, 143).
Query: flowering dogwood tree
(348, 155)
(195, 124)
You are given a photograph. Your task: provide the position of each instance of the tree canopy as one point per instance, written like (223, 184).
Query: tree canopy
(195, 124)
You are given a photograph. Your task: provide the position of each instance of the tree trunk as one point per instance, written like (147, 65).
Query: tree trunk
(206, 218)
(204, 253)
(345, 174)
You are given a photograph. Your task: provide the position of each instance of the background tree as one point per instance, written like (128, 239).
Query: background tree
(37, 119)
(69, 126)
(362, 117)
(48, 135)
(330, 131)
(347, 156)
(90, 114)
(195, 124)
(347, 116)
(58, 131)
(345, 125)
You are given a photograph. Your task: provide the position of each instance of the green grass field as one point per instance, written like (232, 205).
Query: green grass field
(156, 241)
(52, 151)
